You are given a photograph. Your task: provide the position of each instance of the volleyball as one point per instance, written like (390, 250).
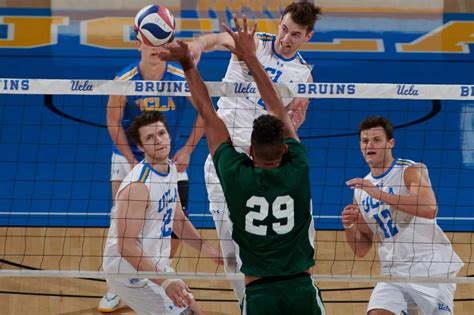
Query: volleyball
(155, 25)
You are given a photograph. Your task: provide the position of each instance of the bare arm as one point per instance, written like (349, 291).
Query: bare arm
(131, 204)
(245, 49)
(182, 157)
(115, 108)
(358, 234)
(214, 127)
(211, 42)
(298, 107)
(186, 231)
(420, 201)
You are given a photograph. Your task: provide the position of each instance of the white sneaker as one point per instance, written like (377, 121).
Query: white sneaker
(109, 303)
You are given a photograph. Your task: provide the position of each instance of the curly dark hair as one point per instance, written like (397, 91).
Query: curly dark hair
(304, 13)
(377, 121)
(144, 119)
(267, 137)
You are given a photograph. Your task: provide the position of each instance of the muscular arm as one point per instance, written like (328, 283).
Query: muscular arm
(212, 42)
(182, 157)
(115, 108)
(215, 129)
(131, 205)
(188, 233)
(420, 200)
(298, 107)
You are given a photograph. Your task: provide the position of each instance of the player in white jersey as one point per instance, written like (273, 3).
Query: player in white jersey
(395, 207)
(147, 209)
(281, 60)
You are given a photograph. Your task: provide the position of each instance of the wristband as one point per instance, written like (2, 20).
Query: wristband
(348, 227)
(167, 282)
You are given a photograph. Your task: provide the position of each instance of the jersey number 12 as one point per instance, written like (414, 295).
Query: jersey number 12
(283, 207)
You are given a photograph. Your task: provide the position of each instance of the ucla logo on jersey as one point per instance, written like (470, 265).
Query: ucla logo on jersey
(443, 307)
(467, 90)
(161, 104)
(370, 203)
(15, 85)
(79, 85)
(168, 197)
(326, 89)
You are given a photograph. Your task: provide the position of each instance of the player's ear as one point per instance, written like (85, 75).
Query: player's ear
(285, 148)
(391, 143)
(308, 36)
(251, 152)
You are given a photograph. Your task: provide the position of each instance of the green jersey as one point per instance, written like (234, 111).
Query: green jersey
(269, 210)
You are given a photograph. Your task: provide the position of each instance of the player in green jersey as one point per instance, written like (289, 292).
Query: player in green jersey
(268, 195)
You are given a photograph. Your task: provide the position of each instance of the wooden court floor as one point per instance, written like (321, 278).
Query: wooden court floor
(81, 249)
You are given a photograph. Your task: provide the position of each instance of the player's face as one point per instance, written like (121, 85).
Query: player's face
(156, 142)
(150, 54)
(290, 36)
(375, 147)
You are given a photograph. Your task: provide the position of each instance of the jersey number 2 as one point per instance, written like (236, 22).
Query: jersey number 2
(282, 208)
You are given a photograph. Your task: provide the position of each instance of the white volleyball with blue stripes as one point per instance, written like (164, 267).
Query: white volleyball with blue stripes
(155, 25)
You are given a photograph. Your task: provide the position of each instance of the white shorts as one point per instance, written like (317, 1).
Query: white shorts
(120, 168)
(430, 298)
(144, 296)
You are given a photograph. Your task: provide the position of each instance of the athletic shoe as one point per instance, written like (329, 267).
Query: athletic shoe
(109, 303)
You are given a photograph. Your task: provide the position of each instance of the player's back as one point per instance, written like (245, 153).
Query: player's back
(270, 211)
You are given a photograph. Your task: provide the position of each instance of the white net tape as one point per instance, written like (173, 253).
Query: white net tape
(238, 89)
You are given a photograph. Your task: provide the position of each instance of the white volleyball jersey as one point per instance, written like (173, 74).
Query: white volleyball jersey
(407, 245)
(239, 113)
(156, 233)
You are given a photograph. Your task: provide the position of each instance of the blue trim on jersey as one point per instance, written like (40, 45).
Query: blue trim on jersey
(387, 171)
(278, 55)
(155, 171)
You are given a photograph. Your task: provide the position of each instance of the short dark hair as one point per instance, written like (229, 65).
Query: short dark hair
(304, 13)
(144, 119)
(267, 137)
(377, 121)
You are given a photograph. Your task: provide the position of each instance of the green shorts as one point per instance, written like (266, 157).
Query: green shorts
(294, 295)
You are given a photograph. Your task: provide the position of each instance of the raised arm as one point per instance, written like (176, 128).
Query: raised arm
(211, 42)
(182, 157)
(245, 49)
(214, 127)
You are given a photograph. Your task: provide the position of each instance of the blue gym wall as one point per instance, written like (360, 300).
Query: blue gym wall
(55, 171)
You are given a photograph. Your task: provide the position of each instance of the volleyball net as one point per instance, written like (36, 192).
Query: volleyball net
(55, 189)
